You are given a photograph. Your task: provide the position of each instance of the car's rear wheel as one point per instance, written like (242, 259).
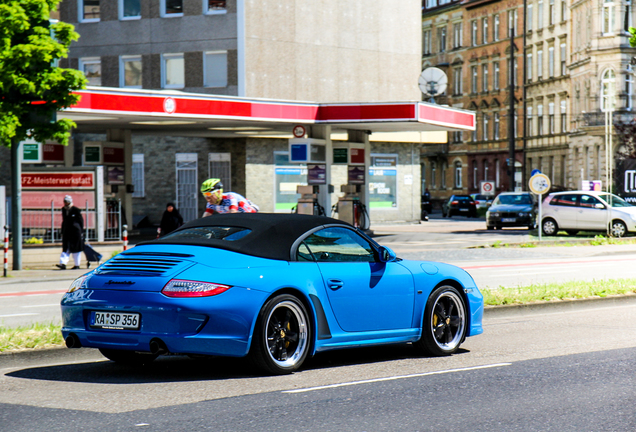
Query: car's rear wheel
(131, 358)
(444, 326)
(618, 229)
(549, 227)
(572, 232)
(282, 336)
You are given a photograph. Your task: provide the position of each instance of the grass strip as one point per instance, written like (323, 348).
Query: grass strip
(30, 337)
(558, 291)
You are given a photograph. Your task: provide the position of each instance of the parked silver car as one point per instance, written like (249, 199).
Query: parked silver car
(575, 211)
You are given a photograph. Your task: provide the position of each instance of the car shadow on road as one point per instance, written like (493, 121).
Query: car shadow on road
(181, 368)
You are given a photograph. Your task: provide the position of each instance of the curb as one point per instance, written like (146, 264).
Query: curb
(559, 304)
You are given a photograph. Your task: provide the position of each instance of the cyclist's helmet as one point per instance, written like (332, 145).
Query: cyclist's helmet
(212, 186)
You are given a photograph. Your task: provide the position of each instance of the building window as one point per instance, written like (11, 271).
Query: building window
(457, 81)
(495, 78)
(426, 42)
(431, 4)
(457, 35)
(607, 90)
(529, 18)
(473, 135)
(529, 121)
(495, 28)
(458, 175)
(443, 175)
(130, 71)
(539, 120)
(484, 30)
(552, 12)
(215, 69)
(563, 58)
(484, 71)
(496, 126)
(485, 170)
(627, 23)
(629, 87)
(485, 127)
(474, 79)
(434, 175)
(540, 64)
(564, 8)
(497, 173)
(608, 17)
(551, 126)
(92, 68)
(473, 34)
(564, 126)
(529, 66)
(171, 8)
(551, 62)
(513, 29)
(89, 10)
(475, 174)
(139, 190)
(172, 71)
(540, 15)
(129, 9)
(441, 36)
(214, 6)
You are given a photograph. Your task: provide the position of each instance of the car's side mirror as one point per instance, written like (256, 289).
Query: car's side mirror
(386, 254)
(599, 206)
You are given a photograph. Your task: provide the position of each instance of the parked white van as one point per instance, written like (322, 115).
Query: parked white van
(575, 211)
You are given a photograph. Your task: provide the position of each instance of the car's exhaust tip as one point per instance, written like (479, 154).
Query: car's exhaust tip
(72, 341)
(158, 347)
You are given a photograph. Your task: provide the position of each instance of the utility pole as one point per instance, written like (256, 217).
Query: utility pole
(511, 115)
(16, 202)
(524, 114)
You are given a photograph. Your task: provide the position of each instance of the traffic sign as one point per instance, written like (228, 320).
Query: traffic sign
(539, 184)
(535, 171)
(487, 187)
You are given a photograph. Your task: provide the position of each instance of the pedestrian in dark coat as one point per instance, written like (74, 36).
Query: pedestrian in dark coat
(72, 231)
(171, 220)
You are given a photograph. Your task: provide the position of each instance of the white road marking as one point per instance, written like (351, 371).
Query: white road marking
(395, 378)
(15, 315)
(43, 305)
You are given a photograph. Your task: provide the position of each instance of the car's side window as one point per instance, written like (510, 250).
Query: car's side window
(568, 200)
(336, 244)
(304, 254)
(589, 201)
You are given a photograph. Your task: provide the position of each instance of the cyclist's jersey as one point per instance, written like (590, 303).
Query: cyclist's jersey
(232, 201)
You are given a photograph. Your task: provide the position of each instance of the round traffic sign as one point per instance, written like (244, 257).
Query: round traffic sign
(299, 131)
(487, 187)
(539, 183)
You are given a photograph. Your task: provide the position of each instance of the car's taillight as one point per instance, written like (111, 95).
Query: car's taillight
(472, 203)
(454, 202)
(185, 288)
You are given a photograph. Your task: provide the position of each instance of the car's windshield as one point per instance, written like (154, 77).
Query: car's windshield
(616, 201)
(512, 200)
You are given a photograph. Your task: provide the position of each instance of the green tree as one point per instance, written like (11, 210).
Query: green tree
(32, 88)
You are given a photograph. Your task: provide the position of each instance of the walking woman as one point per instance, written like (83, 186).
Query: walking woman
(72, 230)
(170, 221)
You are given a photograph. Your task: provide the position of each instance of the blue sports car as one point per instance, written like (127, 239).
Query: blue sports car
(275, 287)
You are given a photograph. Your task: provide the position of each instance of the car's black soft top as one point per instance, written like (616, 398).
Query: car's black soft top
(272, 234)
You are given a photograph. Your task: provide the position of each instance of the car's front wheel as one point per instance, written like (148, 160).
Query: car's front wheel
(549, 227)
(618, 229)
(131, 358)
(444, 326)
(282, 336)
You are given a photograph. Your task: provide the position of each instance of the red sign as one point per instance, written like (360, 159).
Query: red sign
(113, 155)
(58, 180)
(52, 153)
(357, 156)
(43, 199)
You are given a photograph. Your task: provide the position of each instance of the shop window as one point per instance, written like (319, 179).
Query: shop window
(287, 177)
(383, 181)
(92, 68)
(215, 69)
(172, 71)
(138, 176)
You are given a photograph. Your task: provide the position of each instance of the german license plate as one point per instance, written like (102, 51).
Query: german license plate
(115, 320)
(463, 209)
(509, 220)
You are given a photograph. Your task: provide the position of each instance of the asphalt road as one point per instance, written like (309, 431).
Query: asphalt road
(557, 367)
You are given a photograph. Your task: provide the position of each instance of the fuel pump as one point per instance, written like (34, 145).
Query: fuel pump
(350, 208)
(308, 202)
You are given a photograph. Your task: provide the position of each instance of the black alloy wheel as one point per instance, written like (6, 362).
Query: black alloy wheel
(281, 338)
(445, 322)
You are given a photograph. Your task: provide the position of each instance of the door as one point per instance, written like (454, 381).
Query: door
(590, 217)
(365, 294)
(565, 210)
(187, 185)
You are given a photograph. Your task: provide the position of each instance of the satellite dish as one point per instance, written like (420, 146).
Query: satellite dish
(433, 82)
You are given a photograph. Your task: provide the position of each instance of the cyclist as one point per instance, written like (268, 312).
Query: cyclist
(220, 202)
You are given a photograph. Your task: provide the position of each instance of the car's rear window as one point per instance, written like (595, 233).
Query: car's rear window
(209, 233)
(463, 198)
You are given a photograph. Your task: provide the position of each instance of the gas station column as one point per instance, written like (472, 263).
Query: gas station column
(362, 137)
(324, 133)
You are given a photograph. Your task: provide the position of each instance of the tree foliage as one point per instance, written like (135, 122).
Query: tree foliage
(31, 87)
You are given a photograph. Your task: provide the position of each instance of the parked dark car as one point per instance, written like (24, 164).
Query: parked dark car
(463, 205)
(512, 209)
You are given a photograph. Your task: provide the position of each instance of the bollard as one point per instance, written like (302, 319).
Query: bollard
(125, 237)
(6, 250)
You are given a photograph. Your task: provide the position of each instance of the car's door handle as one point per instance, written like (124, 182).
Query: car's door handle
(335, 284)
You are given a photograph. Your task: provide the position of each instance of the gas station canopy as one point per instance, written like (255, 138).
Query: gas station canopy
(206, 115)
